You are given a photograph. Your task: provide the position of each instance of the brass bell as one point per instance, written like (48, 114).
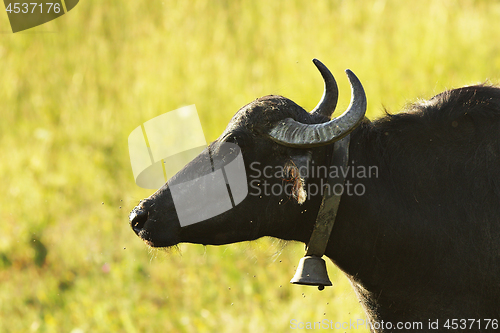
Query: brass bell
(312, 272)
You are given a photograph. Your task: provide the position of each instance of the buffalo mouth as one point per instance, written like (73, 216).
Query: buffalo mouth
(150, 230)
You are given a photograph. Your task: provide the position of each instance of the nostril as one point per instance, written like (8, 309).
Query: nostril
(138, 218)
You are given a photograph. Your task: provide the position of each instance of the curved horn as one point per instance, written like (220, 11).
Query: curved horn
(291, 133)
(328, 102)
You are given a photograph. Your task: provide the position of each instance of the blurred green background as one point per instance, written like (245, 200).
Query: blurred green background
(72, 90)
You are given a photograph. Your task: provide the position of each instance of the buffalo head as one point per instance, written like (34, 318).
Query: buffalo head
(278, 140)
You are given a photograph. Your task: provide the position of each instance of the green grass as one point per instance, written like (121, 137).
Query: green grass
(73, 89)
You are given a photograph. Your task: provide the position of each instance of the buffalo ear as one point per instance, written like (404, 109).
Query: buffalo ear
(296, 173)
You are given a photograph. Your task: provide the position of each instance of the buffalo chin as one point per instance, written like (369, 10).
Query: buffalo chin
(157, 243)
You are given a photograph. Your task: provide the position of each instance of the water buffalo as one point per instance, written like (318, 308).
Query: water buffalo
(419, 238)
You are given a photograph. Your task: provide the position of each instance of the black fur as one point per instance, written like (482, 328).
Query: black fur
(426, 234)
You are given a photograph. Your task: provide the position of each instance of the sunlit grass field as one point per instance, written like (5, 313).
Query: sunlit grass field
(72, 90)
